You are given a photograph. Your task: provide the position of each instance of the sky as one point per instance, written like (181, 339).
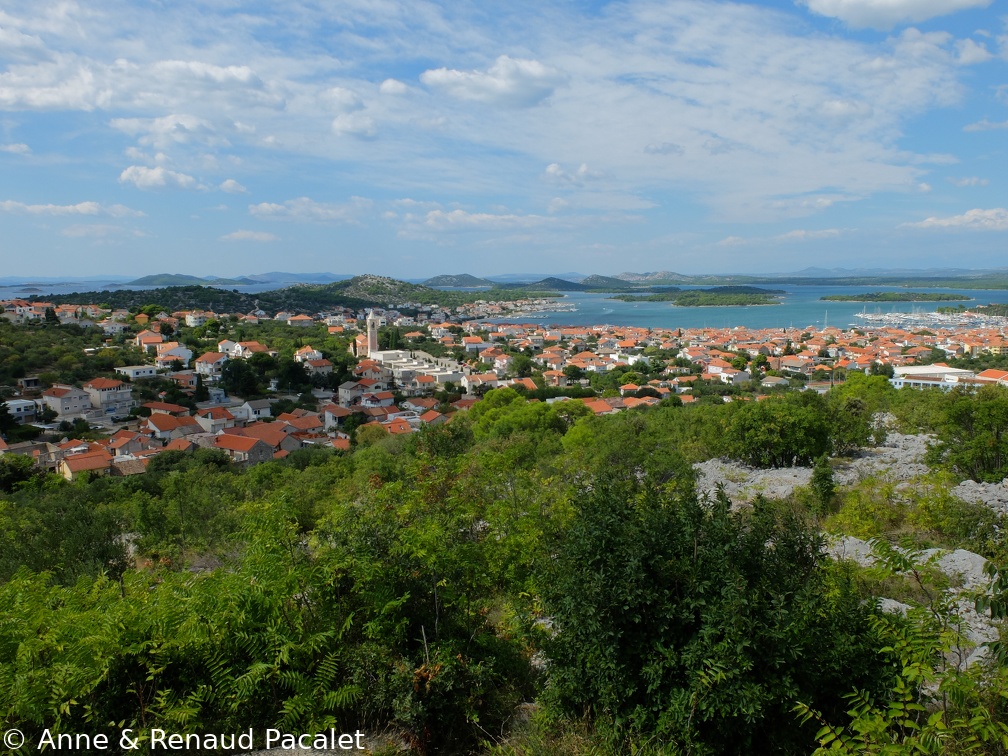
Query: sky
(412, 138)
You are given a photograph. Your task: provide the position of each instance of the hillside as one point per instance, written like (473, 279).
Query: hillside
(181, 279)
(356, 293)
(458, 281)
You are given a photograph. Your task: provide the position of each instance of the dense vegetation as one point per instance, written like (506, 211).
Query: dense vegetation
(895, 296)
(355, 293)
(417, 584)
(718, 296)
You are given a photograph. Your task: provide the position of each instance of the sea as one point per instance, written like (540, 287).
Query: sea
(800, 306)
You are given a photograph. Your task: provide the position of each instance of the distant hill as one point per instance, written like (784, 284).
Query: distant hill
(525, 278)
(660, 275)
(547, 284)
(457, 281)
(180, 279)
(606, 283)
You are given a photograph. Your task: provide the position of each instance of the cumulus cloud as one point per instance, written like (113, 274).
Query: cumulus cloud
(460, 220)
(393, 87)
(969, 181)
(986, 125)
(664, 148)
(232, 187)
(807, 235)
(995, 219)
(306, 209)
(99, 231)
(209, 72)
(16, 149)
(160, 177)
(168, 130)
(354, 124)
(885, 14)
(509, 82)
(971, 52)
(556, 173)
(81, 208)
(256, 236)
(341, 99)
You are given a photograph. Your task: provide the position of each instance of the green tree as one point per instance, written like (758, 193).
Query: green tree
(677, 623)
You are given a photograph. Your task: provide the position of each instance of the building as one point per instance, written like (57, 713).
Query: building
(110, 395)
(22, 410)
(67, 401)
(133, 372)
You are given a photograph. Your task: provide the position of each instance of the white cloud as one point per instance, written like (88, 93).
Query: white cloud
(160, 177)
(971, 52)
(256, 236)
(393, 87)
(556, 174)
(16, 149)
(885, 14)
(923, 187)
(354, 124)
(99, 231)
(232, 187)
(169, 130)
(986, 125)
(969, 181)
(664, 148)
(995, 219)
(732, 241)
(81, 208)
(306, 209)
(209, 72)
(806, 235)
(460, 220)
(510, 82)
(341, 99)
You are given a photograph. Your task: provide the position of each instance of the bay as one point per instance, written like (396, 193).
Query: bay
(800, 307)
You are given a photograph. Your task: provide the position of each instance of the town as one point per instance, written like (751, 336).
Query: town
(186, 380)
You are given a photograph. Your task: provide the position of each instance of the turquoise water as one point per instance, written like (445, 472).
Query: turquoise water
(800, 307)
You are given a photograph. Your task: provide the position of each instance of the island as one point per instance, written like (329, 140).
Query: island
(896, 296)
(717, 296)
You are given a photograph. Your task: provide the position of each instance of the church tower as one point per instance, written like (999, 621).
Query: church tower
(372, 334)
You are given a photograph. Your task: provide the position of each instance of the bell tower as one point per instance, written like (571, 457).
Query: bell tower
(372, 334)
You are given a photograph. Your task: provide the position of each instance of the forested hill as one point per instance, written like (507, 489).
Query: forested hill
(356, 293)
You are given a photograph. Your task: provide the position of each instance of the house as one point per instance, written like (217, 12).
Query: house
(125, 443)
(479, 382)
(300, 320)
(166, 427)
(307, 353)
(319, 367)
(253, 409)
(167, 408)
(333, 416)
(147, 341)
(134, 372)
(215, 419)
(211, 365)
(244, 450)
(93, 462)
(22, 410)
(433, 417)
(110, 395)
(278, 436)
(67, 401)
(171, 352)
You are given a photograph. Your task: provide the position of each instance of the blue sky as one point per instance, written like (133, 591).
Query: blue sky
(413, 138)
